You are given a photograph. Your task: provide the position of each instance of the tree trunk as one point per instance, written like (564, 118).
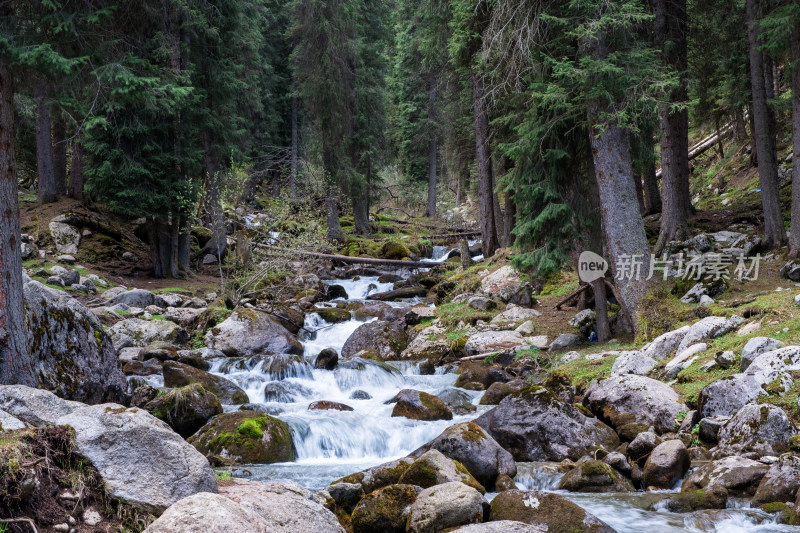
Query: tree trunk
(626, 242)
(499, 217)
(602, 327)
(652, 196)
(774, 234)
(670, 33)
(219, 241)
(361, 212)
(60, 154)
(44, 144)
(753, 144)
(335, 232)
(510, 213)
(16, 364)
(295, 137)
(739, 127)
(637, 182)
(466, 259)
(185, 245)
(484, 164)
(794, 235)
(76, 176)
(431, 209)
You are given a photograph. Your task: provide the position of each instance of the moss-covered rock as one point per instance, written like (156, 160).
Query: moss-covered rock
(786, 514)
(333, 315)
(245, 437)
(378, 476)
(384, 510)
(554, 512)
(695, 500)
(418, 405)
(433, 468)
(180, 375)
(395, 250)
(594, 476)
(497, 391)
(186, 409)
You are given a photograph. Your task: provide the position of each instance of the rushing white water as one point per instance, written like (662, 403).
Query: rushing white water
(332, 444)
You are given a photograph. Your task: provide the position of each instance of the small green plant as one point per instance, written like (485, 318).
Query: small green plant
(492, 358)
(222, 475)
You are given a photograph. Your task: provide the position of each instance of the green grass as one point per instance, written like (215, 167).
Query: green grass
(582, 372)
(170, 290)
(221, 475)
(451, 314)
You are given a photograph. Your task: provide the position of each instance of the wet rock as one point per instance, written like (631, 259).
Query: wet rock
(180, 375)
(282, 366)
(140, 459)
(418, 405)
(630, 398)
(667, 464)
(633, 362)
(763, 429)
(534, 425)
(641, 446)
(445, 506)
(493, 341)
(545, 510)
(430, 343)
(324, 405)
(145, 332)
(695, 500)
(474, 372)
(482, 456)
(360, 395)
(434, 468)
(244, 437)
(36, 407)
(594, 476)
(710, 426)
(186, 409)
(497, 391)
(780, 483)
(457, 400)
(503, 483)
(565, 340)
(725, 359)
(665, 344)
(378, 476)
(332, 292)
(388, 339)
(327, 359)
(618, 462)
(250, 332)
(739, 476)
(163, 351)
(332, 315)
(74, 356)
(755, 347)
(286, 392)
(385, 510)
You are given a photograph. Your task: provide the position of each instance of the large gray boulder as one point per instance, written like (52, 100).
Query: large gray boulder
(727, 395)
(763, 429)
(545, 510)
(445, 506)
(209, 513)
(624, 399)
(287, 507)
(667, 464)
(387, 339)
(140, 459)
(739, 476)
(36, 407)
(137, 298)
(709, 327)
(780, 483)
(73, 356)
(535, 425)
(146, 332)
(181, 375)
(493, 341)
(67, 238)
(470, 445)
(430, 343)
(594, 476)
(433, 468)
(502, 526)
(665, 344)
(250, 332)
(633, 362)
(9, 422)
(755, 347)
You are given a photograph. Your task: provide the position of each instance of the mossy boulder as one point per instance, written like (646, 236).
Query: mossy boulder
(186, 409)
(387, 339)
(333, 315)
(378, 476)
(433, 468)
(457, 400)
(499, 390)
(384, 510)
(786, 514)
(418, 405)
(245, 437)
(395, 250)
(594, 476)
(555, 513)
(473, 372)
(695, 500)
(180, 375)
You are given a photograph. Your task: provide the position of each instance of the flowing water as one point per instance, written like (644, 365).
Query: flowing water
(332, 444)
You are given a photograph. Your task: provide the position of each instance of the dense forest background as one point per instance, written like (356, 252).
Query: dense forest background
(566, 121)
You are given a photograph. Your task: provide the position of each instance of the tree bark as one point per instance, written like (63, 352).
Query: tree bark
(76, 176)
(510, 213)
(484, 164)
(60, 154)
(335, 232)
(670, 33)
(44, 144)
(794, 235)
(602, 327)
(652, 196)
(16, 364)
(774, 234)
(466, 258)
(739, 127)
(219, 241)
(295, 137)
(431, 208)
(361, 212)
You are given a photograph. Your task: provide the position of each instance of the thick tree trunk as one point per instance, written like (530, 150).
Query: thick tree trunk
(739, 127)
(794, 235)
(499, 216)
(602, 327)
(484, 164)
(335, 232)
(466, 258)
(753, 144)
(774, 234)
(295, 147)
(431, 208)
(185, 245)
(670, 33)
(637, 182)
(76, 176)
(361, 212)
(44, 144)
(16, 364)
(510, 213)
(60, 154)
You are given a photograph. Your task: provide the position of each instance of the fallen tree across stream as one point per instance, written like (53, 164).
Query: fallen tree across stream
(396, 263)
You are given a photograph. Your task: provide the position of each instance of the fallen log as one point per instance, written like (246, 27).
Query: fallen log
(700, 147)
(349, 260)
(448, 236)
(421, 225)
(399, 294)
